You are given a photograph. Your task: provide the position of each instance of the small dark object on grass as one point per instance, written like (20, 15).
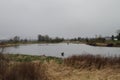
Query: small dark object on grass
(62, 54)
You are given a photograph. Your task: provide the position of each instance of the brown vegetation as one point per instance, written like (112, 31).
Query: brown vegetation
(21, 70)
(3, 65)
(62, 72)
(26, 71)
(82, 67)
(89, 62)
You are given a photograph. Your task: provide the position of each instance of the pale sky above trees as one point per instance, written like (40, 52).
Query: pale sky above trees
(63, 18)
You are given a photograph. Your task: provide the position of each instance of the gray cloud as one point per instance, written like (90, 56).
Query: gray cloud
(64, 18)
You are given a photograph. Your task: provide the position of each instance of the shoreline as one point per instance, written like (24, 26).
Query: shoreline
(104, 44)
(91, 44)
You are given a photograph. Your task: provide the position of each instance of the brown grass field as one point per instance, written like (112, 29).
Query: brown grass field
(82, 67)
(62, 72)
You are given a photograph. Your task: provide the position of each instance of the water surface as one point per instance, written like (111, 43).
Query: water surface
(57, 49)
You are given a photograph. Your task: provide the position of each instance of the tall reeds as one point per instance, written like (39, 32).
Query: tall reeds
(21, 70)
(4, 61)
(26, 71)
(87, 61)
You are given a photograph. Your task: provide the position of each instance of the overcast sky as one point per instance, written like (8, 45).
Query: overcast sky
(63, 18)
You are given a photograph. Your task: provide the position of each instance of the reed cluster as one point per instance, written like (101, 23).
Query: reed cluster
(88, 61)
(21, 70)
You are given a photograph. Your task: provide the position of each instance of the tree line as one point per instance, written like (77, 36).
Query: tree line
(98, 38)
(48, 39)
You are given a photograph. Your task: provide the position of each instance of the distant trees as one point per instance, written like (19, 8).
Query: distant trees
(118, 34)
(16, 39)
(57, 39)
(41, 38)
(117, 37)
(46, 38)
(89, 40)
(112, 37)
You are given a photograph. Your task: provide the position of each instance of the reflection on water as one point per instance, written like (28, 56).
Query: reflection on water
(57, 49)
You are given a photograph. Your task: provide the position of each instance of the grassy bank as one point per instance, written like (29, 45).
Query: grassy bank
(108, 43)
(31, 58)
(82, 67)
(9, 44)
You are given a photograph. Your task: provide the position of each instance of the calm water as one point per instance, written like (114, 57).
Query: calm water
(57, 49)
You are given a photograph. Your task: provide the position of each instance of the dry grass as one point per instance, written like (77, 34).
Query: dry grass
(83, 67)
(89, 62)
(3, 65)
(26, 71)
(21, 70)
(62, 72)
